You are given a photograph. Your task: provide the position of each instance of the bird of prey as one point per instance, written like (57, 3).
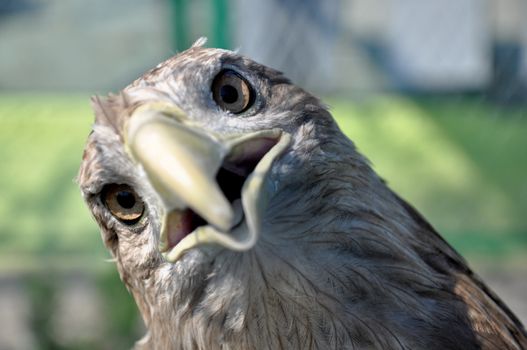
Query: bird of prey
(241, 217)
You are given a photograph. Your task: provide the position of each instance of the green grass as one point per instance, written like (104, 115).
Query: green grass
(461, 162)
(41, 211)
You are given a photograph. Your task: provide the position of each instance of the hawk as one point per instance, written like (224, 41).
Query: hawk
(241, 217)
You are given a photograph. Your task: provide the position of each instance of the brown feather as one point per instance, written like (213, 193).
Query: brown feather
(341, 263)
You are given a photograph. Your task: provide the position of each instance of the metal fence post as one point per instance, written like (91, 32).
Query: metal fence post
(220, 27)
(179, 24)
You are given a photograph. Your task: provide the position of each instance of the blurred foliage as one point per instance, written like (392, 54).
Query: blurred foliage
(460, 161)
(123, 317)
(119, 320)
(42, 298)
(41, 211)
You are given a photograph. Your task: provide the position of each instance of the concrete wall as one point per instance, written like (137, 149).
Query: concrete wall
(91, 45)
(329, 46)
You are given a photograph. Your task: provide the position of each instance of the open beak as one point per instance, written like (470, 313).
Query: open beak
(212, 185)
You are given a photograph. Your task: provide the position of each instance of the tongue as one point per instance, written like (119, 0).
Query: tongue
(179, 224)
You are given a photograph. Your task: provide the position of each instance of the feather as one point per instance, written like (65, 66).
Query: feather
(341, 261)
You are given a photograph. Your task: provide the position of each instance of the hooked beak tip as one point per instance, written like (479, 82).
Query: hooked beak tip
(182, 163)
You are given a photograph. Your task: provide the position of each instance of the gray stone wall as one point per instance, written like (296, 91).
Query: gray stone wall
(94, 45)
(326, 46)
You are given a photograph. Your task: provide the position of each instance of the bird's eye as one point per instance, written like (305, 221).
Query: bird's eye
(232, 92)
(123, 203)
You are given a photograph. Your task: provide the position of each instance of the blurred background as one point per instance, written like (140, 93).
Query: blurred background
(433, 92)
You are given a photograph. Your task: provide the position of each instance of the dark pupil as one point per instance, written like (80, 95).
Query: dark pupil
(229, 94)
(126, 199)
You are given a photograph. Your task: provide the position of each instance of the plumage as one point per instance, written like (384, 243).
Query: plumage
(339, 260)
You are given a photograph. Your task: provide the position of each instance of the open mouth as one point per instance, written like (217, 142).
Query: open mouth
(231, 177)
(213, 186)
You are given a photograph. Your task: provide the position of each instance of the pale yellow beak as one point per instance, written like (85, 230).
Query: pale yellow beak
(182, 161)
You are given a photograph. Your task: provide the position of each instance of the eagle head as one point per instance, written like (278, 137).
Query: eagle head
(240, 217)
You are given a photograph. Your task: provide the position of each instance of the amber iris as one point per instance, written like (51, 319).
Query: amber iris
(232, 92)
(124, 204)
